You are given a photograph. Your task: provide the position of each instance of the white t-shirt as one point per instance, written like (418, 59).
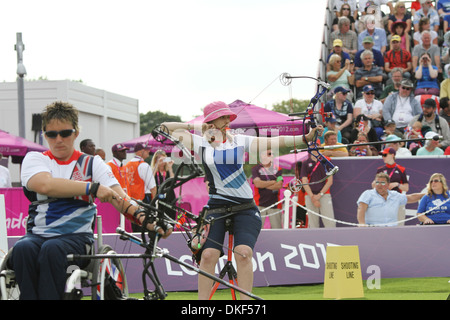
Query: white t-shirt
(403, 112)
(63, 215)
(145, 173)
(376, 107)
(5, 177)
(224, 166)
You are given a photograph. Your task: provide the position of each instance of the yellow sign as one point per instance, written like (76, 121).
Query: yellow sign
(343, 273)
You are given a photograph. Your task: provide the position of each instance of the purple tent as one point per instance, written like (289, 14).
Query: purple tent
(288, 161)
(151, 142)
(17, 147)
(251, 120)
(258, 121)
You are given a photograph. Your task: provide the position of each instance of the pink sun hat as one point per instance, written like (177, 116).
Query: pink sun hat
(216, 110)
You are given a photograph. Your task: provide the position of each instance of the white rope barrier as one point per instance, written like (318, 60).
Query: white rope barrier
(293, 203)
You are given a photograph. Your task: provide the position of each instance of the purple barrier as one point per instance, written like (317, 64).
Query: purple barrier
(285, 257)
(354, 177)
(17, 212)
(16, 205)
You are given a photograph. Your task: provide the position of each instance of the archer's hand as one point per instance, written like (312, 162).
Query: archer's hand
(164, 233)
(154, 227)
(212, 133)
(106, 194)
(312, 132)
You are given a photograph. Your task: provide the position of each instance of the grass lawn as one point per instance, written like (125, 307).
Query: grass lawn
(390, 289)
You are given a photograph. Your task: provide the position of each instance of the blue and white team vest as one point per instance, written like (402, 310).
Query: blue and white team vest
(51, 217)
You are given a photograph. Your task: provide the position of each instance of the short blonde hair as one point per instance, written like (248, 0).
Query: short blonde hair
(333, 58)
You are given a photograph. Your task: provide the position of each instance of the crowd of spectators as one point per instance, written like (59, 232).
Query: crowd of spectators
(388, 67)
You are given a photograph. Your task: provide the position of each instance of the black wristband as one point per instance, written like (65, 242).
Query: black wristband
(126, 210)
(94, 188)
(135, 214)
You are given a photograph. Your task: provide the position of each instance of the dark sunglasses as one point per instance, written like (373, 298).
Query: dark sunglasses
(435, 180)
(406, 88)
(370, 92)
(63, 133)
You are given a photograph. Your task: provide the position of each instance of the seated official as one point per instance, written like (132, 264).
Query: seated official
(379, 206)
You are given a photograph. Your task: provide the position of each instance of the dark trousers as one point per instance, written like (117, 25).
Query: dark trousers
(40, 264)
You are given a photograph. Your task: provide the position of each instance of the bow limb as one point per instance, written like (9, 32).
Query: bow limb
(312, 147)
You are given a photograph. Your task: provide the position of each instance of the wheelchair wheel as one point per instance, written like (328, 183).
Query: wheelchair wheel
(9, 289)
(108, 278)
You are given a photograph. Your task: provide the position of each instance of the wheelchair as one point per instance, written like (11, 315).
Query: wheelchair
(9, 289)
(104, 277)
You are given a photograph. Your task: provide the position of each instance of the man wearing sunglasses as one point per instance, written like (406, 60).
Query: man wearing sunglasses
(401, 106)
(397, 176)
(398, 58)
(379, 206)
(61, 185)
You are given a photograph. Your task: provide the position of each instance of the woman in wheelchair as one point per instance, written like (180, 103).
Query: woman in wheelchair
(61, 185)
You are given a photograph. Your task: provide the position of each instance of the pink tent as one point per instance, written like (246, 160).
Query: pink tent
(151, 142)
(17, 147)
(288, 161)
(251, 120)
(258, 121)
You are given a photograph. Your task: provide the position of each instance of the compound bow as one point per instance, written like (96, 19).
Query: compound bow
(295, 184)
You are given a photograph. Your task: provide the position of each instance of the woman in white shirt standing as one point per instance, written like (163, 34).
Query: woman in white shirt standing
(222, 155)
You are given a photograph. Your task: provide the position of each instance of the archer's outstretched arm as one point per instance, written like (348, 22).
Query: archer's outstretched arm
(180, 130)
(285, 141)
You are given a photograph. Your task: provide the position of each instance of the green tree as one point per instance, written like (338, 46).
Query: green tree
(152, 119)
(290, 106)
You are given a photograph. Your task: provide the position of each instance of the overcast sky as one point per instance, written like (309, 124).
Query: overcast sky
(174, 56)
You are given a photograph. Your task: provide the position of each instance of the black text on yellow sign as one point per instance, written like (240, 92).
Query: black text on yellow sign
(343, 273)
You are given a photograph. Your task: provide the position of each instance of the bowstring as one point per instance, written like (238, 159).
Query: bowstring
(312, 146)
(291, 104)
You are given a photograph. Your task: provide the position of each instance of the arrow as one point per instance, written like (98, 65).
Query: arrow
(435, 138)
